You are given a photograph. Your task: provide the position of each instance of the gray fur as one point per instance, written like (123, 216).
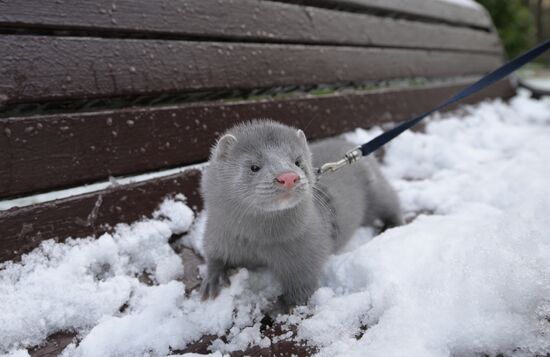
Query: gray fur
(251, 225)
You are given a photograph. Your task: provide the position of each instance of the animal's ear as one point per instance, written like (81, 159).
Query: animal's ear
(224, 145)
(301, 136)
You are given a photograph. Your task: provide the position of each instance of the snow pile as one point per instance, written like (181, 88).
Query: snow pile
(74, 286)
(472, 276)
(121, 293)
(540, 82)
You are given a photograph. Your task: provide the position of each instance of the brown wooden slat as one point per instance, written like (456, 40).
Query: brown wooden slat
(435, 10)
(45, 68)
(288, 346)
(168, 15)
(24, 228)
(48, 152)
(250, 20)
(54, 345)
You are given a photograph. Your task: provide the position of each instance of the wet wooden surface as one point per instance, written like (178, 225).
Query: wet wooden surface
(40, 153)
(44, 68)
(240, 20)
(54, 345)
(24, 228)
(90, 214)
(429, 10)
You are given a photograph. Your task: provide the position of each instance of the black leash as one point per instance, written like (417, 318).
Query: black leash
(382, 139)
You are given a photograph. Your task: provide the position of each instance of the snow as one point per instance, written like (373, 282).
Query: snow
(176, 214)
(542, 83)
(193, 240)
(469, 275)
(465, 3)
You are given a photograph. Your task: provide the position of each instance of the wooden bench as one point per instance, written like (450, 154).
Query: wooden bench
(91, 90)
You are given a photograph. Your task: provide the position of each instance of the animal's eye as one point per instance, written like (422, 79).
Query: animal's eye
(255, 168)
(298, 162)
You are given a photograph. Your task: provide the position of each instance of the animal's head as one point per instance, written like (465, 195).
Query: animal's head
(264, 165)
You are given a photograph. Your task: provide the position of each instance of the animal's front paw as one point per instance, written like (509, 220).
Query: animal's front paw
(212, 285)
(279, 307)
(298, 292)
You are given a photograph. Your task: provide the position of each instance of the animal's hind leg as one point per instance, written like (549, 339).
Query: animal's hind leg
(393, 220)
(388, 208)
(382, 200)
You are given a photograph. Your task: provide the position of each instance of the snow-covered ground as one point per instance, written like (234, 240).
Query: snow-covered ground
(469, 275)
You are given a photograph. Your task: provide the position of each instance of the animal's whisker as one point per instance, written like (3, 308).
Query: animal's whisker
(324, 205)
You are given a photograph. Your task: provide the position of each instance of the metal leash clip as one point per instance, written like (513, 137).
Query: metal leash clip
(349, 158)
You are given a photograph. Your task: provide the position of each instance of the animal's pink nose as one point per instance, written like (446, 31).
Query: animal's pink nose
(288, 179)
